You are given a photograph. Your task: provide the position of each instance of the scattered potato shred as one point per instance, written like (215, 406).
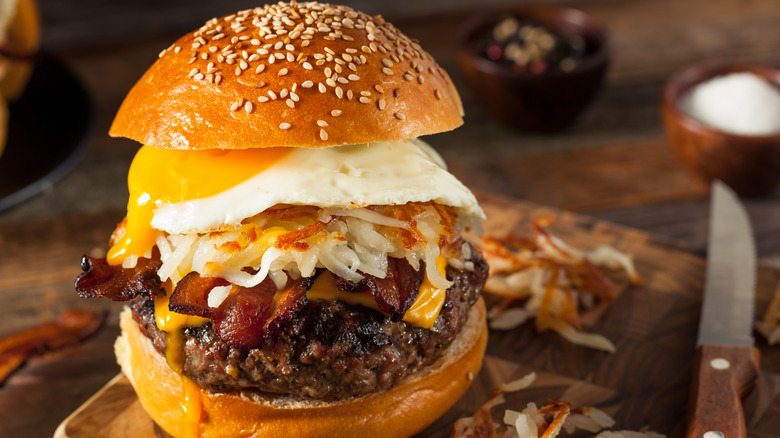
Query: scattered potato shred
(544, 278)
(538, 422)
(769, 327)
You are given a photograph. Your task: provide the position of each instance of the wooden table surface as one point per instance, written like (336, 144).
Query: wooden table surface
(614, 164)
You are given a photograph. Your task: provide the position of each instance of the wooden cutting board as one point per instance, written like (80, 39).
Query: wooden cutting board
(644, 384)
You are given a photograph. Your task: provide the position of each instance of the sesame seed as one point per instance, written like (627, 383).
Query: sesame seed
(323, 135)
(255, 42)
(236, 105)
(353, 77)
(290, 103)
(248, 107)
(283, 72)
(283, 93)
(321, 87)
(238, 71)
(307, 84)
(271, 59)
(366, 49)
(387, 63)
(279, 56)
(382, 104)
(289, 47)
(294, 87)
(400, 116)
(365, 93)
(271, 94)
(285, 126)
(420, 79)
(342, 80)
(305, 43)
(278, 45)
(364, 99)
(176, 49)
(379, 89)
(330, 82)
(217, 79)
(336, 113)
(387, 71)
(322, 123)
(339, 92)
(408, 76)
(349, 94)
(437, 93)
(243, 65)
(193, 72)
(213, 49)
(218, 36)
(262, 99)
(198, 76)
(294, 97)
(196, 45)
(307, 66)
(254, 57)
(263, 51)
(260, 69)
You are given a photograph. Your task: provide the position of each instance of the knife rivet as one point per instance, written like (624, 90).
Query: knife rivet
(713, 434)
(719, 363)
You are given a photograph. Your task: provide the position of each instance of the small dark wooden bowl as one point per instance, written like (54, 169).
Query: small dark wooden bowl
(749, 164)
(548, 101)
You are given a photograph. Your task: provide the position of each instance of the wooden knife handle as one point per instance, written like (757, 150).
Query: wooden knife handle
(722, 376)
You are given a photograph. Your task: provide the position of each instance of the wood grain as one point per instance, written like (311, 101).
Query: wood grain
(722, 376)
(645, 383)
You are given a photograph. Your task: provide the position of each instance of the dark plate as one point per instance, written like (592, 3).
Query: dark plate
(47, 132)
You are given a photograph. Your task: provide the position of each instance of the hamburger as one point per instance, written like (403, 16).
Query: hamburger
(292, 255)
(20, 38)
(20, 35)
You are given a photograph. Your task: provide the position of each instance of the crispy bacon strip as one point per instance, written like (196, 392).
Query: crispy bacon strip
(101, 280)
(73, 326)
(246, 318)
(248, 315)
(393, 294)
(191, 296)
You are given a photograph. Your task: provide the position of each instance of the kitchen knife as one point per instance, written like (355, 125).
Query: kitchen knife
(727, 363)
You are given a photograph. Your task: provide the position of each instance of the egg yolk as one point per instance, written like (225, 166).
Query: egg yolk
(160, 176)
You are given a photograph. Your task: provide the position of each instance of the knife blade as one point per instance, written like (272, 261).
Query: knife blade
(727, 364)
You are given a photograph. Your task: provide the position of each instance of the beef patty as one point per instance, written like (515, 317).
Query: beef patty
(330, 350)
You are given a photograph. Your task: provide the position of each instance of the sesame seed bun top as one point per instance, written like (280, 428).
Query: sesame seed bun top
(297, 74)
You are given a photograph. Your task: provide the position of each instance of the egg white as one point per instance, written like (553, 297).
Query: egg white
(353, 176)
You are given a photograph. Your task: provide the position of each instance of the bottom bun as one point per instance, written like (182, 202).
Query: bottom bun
(402, 411)
(3, 124)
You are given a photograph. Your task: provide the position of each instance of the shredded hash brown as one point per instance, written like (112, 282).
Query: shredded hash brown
(538, 422)
(541, 277)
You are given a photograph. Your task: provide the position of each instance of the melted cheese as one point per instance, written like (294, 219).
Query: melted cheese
(164, 176)
(422, 313)
(173, 325)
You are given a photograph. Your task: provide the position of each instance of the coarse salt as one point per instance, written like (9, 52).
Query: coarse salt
(737, 103)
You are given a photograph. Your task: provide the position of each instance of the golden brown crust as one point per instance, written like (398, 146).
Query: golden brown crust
(406, 409)
(307, 74)
(23, 37)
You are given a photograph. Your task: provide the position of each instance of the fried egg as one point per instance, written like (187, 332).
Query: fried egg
(200, 191)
